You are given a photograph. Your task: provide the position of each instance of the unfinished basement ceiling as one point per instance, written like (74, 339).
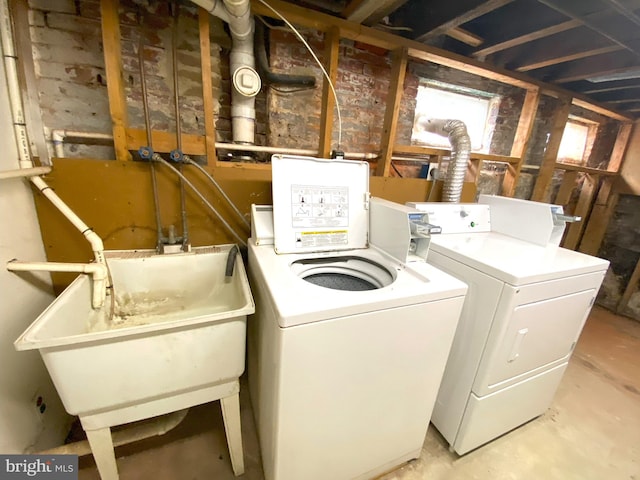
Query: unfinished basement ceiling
(591, 47)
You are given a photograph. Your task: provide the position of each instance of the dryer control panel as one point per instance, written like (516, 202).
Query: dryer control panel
(456, 217)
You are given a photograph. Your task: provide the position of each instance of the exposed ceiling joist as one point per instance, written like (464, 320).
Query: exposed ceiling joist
(555, 60)
(465, 36)
(568, 9)
(481, 9)
(529, 37)
(622, 9)
(612, 86)
(370, 12)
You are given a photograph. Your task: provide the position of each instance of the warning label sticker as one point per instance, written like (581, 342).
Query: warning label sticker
(319, 206)
(321, 239)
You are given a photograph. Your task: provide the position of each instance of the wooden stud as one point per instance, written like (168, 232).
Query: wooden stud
(394, 98)
(115, 84)
(566, 188)
(332, 51)
(579, 168)
(575, 230)
(630, 288)
(423, 151)
(521, 141)
(603, 209)
(207, 88)
(543, 182)
(620, 147)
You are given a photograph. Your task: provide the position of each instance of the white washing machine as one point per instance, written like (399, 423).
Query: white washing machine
(528, 300)
(348, 343)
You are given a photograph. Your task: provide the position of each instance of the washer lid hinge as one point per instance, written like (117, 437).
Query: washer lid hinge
(367, 197)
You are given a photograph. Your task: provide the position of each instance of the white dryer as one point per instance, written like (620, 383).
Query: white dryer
(348, 343)
(527, 302)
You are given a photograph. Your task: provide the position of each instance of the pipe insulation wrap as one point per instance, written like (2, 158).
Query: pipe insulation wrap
(456, 132)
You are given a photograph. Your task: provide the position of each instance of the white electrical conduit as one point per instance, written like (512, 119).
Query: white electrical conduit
(58, 138)
(188, 160)
(11, 70)
(158, 158)
(25, 172)
(158, 426)
(98, 272)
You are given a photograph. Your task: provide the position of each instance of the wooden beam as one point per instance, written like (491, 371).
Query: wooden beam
(596, 66)
(360, 11)
(567, 187)
(420, 150)
(529, 37)
(543, 182)
(394, 98)
(596, 108)
(115, 84)
(207, 87)
(613, 33)
(580, 168)
(631, 287)
(164, 142)
(352, 31)
(465, 36)
(611, 86)
(332, 49)
(521, 141)
(567, 58)
(620, 147)
(601, 213)
(482, 8)
(583, 208)
(618, 96)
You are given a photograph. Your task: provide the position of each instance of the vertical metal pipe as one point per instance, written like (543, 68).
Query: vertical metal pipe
(147, 123)
(176, 102)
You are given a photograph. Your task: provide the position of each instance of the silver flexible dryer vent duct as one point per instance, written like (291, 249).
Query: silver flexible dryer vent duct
(456, 132)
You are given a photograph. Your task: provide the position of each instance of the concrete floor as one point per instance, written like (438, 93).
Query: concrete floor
(592, 430)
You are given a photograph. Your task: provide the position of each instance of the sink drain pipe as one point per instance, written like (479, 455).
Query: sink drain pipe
(456, 132)
(244, 78)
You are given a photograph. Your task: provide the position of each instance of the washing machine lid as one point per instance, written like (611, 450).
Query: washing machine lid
(319, 204)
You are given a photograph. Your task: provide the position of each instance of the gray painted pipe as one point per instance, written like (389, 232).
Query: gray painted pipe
(456, 132)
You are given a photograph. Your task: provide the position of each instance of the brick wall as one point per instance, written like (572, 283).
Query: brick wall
(68, 55)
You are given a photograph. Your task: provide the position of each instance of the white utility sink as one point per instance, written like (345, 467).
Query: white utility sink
(170, 336)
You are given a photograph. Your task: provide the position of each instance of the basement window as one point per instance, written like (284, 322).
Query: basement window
(477, 109)
(573, 145)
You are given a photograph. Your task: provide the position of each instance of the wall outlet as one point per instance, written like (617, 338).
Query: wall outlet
(39, 404)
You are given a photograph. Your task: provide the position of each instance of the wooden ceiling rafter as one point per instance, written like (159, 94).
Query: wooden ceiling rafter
(481, 9)
(588, 20)
(352, 31)
(526, 38)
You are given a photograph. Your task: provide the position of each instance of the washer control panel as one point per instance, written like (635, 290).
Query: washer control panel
(456, 217)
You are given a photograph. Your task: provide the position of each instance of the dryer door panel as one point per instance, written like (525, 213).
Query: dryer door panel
(532, 337)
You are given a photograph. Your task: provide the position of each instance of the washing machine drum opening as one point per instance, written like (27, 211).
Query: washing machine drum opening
(343, 273)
